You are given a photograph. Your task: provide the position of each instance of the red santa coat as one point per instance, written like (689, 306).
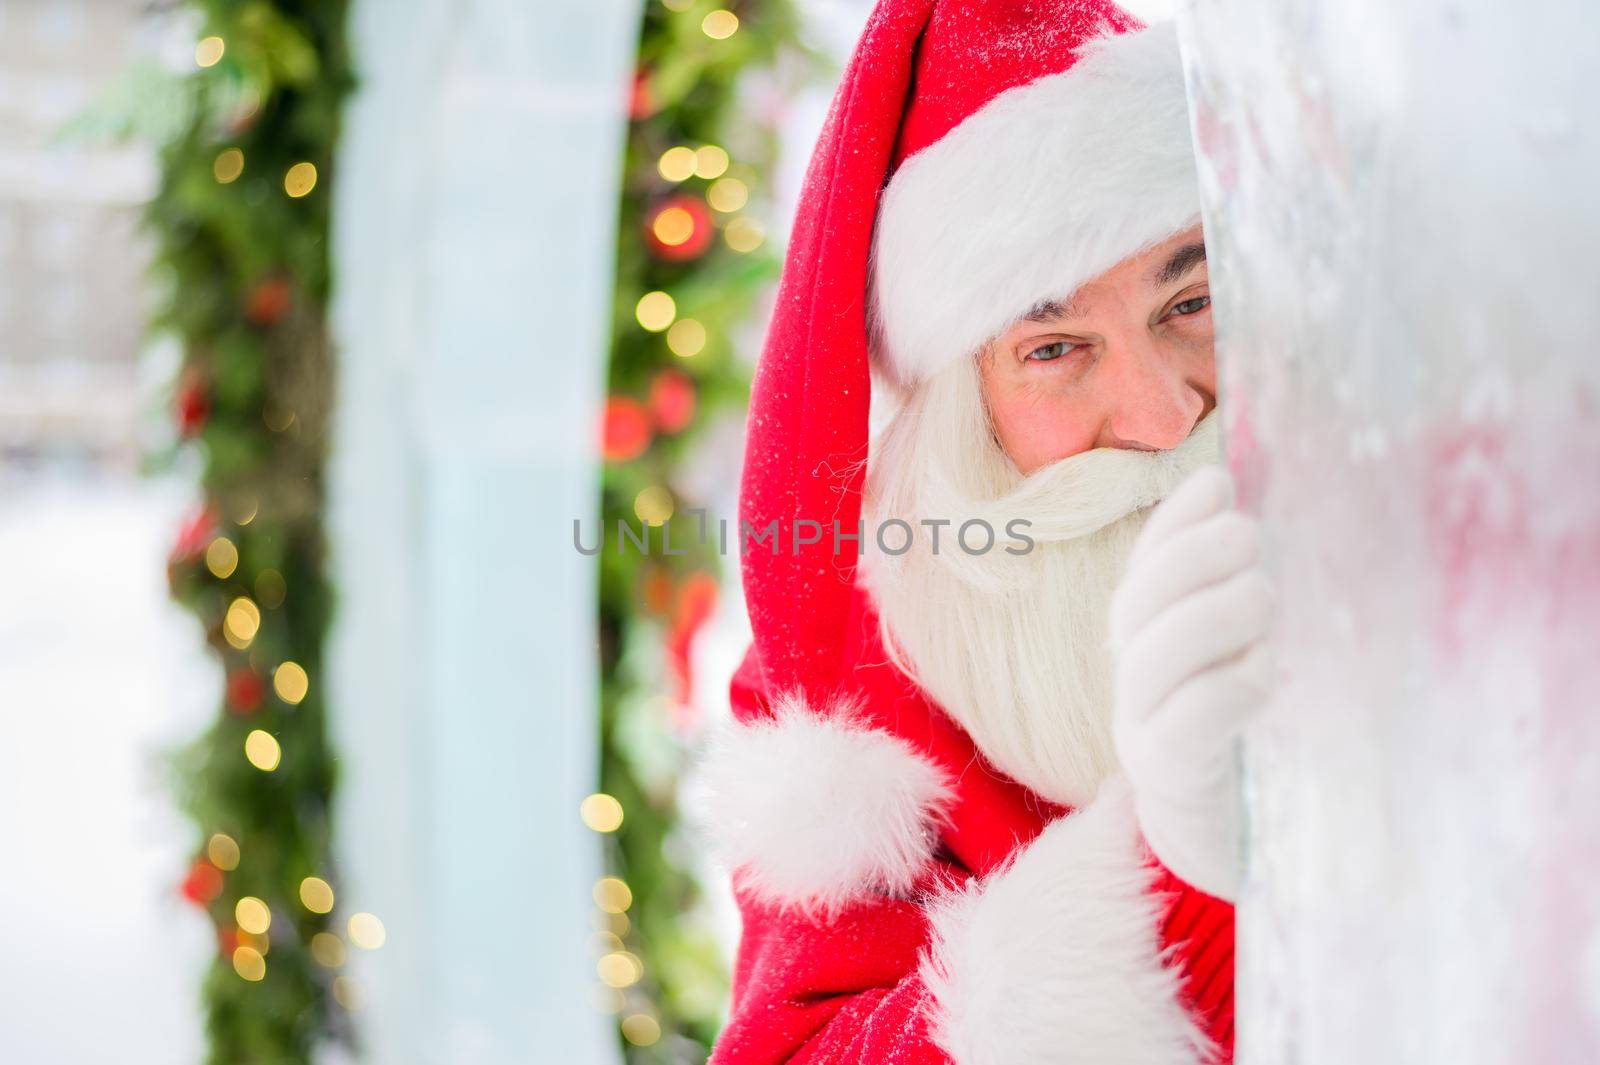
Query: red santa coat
(903, 900)
(956, 927)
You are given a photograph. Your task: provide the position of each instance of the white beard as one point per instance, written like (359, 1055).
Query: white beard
(1012, 646)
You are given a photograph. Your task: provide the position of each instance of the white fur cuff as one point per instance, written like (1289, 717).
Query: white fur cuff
(1055, 960)
(816, 809)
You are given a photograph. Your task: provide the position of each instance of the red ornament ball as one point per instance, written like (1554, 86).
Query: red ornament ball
(641, 103)
(246, 690)
(192, 404)
(672, 400)
(203, 883)
(626, 431)
(679, 228)
(269, 301)
(194, 536)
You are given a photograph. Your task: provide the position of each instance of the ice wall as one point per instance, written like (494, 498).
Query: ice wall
(1403, 211)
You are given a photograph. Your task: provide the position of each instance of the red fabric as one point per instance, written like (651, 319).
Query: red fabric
(972, 52)
(846, 990)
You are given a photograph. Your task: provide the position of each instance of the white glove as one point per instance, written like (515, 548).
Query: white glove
(1189, 628)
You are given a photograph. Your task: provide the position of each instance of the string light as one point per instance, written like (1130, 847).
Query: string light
(710, 162)
(241, 623)
(686, 338)
(720, 24)
(366, 931)
(316, 895)
(601, 812)
(619, 969)
(228, 166)
(653, 505)
(252, 915)
(727, 195)
(222, 558)
(348, 993)
(612, 895)
(262, 750)
(223, 852)
(673, 226)
(289, 680)
(677, 164)
(300, 179)
(655, 311)
(248, 963)
(743, 234)
(209, 51)
(328, 950)
(270, 588)
(641, 1029)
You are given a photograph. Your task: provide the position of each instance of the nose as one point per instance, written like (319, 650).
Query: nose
(1154, 398)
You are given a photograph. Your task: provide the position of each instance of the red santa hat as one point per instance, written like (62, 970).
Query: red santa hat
(980, 156)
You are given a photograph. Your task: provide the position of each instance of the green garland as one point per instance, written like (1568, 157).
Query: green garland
(240, 224)
(691, 266)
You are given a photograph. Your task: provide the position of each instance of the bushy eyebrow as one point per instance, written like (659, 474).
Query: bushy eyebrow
(1051, 310)
(1181, 262)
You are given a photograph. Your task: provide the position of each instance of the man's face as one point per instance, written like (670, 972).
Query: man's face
(1126, 362)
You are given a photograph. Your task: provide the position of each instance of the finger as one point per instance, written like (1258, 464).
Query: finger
(1186, 743)
(1204, 554)
(1205, 491)
(1197, 632)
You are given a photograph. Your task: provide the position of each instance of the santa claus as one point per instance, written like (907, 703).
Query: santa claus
(979, 794)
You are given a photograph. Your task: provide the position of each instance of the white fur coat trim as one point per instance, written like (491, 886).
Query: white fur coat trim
(814, 809)
(1055, 959)
(1048, 185)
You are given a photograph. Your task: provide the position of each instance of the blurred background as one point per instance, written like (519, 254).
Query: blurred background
(332, 334)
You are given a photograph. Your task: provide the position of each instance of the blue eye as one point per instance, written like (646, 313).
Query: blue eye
(1051, 352)
(1194, 306)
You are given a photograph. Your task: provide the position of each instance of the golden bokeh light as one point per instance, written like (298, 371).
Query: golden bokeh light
(743, 234)
(289, 680)
(612, 895)
(655, 311)
(710, 162)
(641, 1029)
(300, 179)
(673, 226)
(653, 505)
(316, 895)
(228, 166)
(727, 195)
(366, 931)
(608, 999)
(223, 852)
(601, 812)
(677, 5)
(248, 963)
(348, 993)
(676, 164)
(619, 969)
(209, 51)
(262, 750)
(222, 558)
(720, 24)
(606, 943)
(686, 338)
(241, 623)
(328, 950)
(270, 588)
(245, 510)
(252, 915)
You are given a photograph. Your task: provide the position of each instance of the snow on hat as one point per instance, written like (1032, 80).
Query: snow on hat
(979, 156)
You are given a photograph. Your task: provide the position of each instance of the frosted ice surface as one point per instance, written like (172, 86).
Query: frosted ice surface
(1404, 228)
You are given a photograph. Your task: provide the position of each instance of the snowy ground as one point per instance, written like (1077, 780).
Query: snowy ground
(99, 675)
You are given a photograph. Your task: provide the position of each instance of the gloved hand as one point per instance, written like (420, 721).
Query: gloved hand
(1188, 628)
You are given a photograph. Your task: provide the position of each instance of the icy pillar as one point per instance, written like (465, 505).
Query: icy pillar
(1402, 206)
